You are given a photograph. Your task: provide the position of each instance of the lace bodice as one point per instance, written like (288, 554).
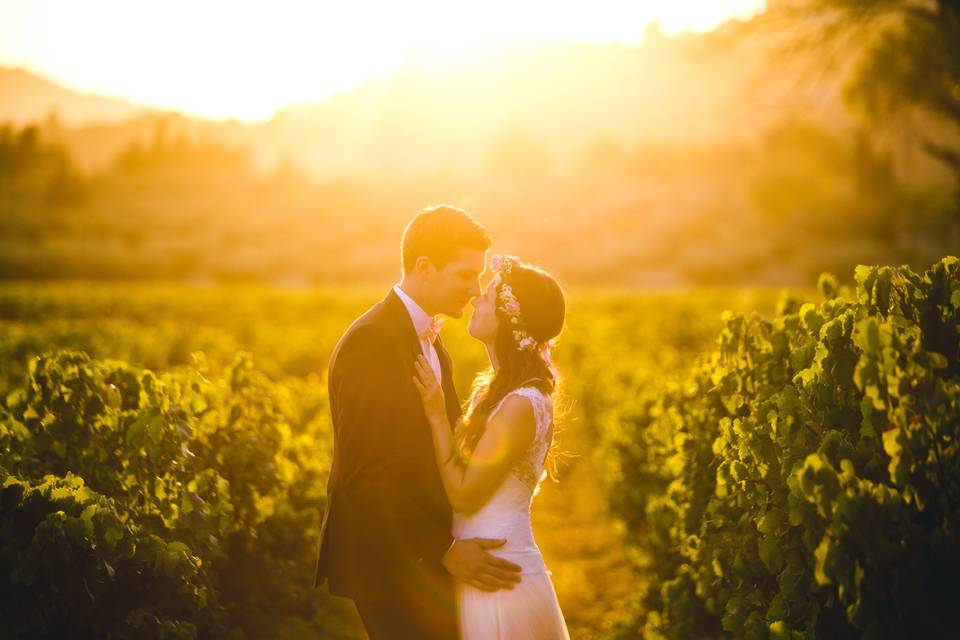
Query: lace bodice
(530, 468)
(507, 513)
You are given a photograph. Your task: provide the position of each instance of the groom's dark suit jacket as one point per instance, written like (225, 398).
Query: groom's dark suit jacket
(388, 521)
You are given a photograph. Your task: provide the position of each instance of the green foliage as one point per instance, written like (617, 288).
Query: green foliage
(907, 65)
(814, 181)
(173, 505)
(804, 479)
(290, 333)
(910, 60)
(657, 453)
(76, 565)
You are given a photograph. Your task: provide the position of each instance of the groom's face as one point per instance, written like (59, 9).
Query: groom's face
(458, 281)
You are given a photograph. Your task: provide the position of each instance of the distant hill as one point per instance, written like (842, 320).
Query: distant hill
(523, 107)
(27, 97)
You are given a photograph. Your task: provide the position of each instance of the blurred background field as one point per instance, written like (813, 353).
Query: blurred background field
(760, 151)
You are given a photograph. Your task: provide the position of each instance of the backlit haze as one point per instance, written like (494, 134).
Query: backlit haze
(654, 144)
(246, 60)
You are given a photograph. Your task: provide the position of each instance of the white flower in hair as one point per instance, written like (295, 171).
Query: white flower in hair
(502, 263)
(502, 266)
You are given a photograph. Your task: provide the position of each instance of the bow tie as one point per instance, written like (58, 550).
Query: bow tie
(433, 331)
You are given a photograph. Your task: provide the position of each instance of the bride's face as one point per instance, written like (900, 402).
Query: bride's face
(484, 321)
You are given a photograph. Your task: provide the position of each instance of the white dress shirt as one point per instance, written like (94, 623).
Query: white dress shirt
(421, 322)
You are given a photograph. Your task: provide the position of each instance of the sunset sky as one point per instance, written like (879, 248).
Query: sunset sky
(246, 59)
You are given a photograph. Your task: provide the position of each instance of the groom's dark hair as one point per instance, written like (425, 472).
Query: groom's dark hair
(438, 232)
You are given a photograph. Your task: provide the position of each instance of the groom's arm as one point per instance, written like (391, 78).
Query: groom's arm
(362, 402)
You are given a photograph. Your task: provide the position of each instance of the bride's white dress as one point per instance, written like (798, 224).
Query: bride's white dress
(530, 610)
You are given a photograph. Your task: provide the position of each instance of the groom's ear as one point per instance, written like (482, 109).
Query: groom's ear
(423, 265)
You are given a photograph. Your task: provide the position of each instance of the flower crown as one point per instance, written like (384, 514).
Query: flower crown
(502, 265)
(507, 302)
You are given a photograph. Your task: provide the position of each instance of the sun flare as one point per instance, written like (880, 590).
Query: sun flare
(223, 59)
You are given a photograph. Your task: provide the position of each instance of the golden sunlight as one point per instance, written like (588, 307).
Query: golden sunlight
(718, 209)
(223, 59)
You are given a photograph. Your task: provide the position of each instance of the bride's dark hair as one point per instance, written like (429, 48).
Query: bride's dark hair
(542, 311)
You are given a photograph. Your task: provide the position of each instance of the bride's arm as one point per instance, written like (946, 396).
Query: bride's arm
(507, 436)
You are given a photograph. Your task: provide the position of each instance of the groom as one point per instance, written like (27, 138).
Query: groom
(386, 536)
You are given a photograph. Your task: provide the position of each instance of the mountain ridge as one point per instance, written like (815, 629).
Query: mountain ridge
(541, 102)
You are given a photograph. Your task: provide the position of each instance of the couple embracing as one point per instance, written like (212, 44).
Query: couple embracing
(427, 525)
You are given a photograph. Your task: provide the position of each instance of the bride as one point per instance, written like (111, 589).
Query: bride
(494, 461)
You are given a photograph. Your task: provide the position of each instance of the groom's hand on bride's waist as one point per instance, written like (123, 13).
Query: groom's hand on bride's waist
(468, 562)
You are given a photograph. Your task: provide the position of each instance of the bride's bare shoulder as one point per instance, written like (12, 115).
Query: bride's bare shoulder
(515, 415)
